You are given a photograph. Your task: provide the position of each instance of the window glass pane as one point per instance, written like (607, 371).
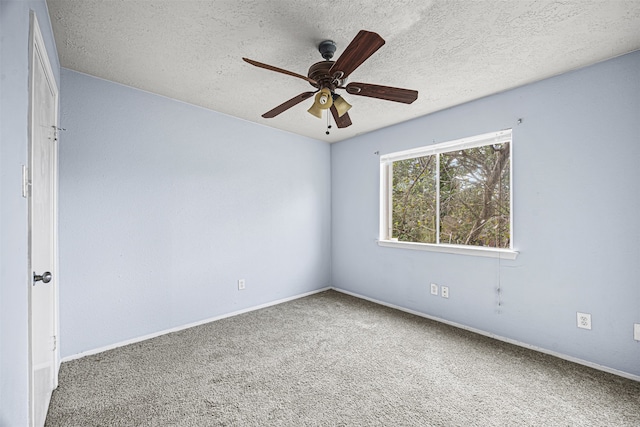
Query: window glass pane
(474, 196)
(414, 200)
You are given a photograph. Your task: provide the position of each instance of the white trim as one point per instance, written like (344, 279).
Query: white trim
(189, 325)
(511, 192)
(437, 218)
(499, 338)
(386, 207)
(38, 52)
(452, 249)
(458, 144)
(386, 195)
(396, 307)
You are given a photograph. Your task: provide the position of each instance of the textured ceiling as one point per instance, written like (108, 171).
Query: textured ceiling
(450, 51)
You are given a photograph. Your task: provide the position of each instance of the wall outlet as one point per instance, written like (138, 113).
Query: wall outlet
(434, 289)
(636, 331)
(584, 320)
(240, 284)
(444, 291)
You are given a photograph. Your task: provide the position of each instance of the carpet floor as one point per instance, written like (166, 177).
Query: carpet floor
(334, 360)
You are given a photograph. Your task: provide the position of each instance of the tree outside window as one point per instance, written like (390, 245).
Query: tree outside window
(453, 196)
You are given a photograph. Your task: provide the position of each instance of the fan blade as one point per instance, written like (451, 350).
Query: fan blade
(288, 104)
(341, 122)
(364, 44)
(279, 70)
(387, 93)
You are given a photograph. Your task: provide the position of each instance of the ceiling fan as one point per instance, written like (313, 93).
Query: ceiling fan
(327, 76)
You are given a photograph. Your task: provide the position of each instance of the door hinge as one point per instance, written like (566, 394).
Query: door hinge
(55, 342)
(56, 130)
(26, 184)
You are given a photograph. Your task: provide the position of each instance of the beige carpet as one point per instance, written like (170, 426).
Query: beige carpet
(334, 360)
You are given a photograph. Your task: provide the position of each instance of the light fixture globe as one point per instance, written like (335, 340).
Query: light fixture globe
(323, 101)
(341, 105)
(315, 111)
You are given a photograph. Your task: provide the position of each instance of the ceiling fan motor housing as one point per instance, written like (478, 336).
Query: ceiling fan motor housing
(320, 73)
(320, 70)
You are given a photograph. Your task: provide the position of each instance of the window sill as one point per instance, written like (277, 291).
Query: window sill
(452, 249)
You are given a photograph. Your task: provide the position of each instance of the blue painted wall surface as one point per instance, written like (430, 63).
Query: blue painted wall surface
(164, 206)
(576, 204)
(14, 278)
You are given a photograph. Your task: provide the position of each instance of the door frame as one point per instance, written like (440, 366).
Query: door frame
(38, 51)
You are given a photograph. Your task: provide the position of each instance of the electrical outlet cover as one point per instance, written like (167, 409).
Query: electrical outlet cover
(434, 289)
(444, 291)
(636, 331)
(584, 320)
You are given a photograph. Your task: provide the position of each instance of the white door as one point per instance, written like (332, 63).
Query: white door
(42, 228)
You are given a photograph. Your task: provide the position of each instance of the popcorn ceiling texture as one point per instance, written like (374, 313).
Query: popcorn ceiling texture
(450, 51)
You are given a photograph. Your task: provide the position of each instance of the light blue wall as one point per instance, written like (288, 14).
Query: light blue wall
(164, 206)
(14, 278)
(576, 208)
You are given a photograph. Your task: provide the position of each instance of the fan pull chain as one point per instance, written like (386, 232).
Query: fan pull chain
(328, 123)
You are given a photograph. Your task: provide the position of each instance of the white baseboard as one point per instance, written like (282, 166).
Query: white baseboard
(498, 337)
(396, 307)
(189, 325)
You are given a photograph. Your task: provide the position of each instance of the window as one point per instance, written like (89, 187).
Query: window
(451, 197)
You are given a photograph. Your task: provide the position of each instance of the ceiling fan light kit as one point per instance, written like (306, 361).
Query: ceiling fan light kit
(327, 76)
(322, 102)
(341, 105)
(324, 99)
(315, 111)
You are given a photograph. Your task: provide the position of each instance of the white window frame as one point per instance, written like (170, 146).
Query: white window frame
(386, 192)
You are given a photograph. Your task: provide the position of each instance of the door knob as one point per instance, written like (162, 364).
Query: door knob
(46, 277)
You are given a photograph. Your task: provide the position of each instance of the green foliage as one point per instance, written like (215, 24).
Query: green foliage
(414, 200)
(475, 200)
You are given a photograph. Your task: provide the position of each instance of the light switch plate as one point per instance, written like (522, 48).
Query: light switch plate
(434, 289)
